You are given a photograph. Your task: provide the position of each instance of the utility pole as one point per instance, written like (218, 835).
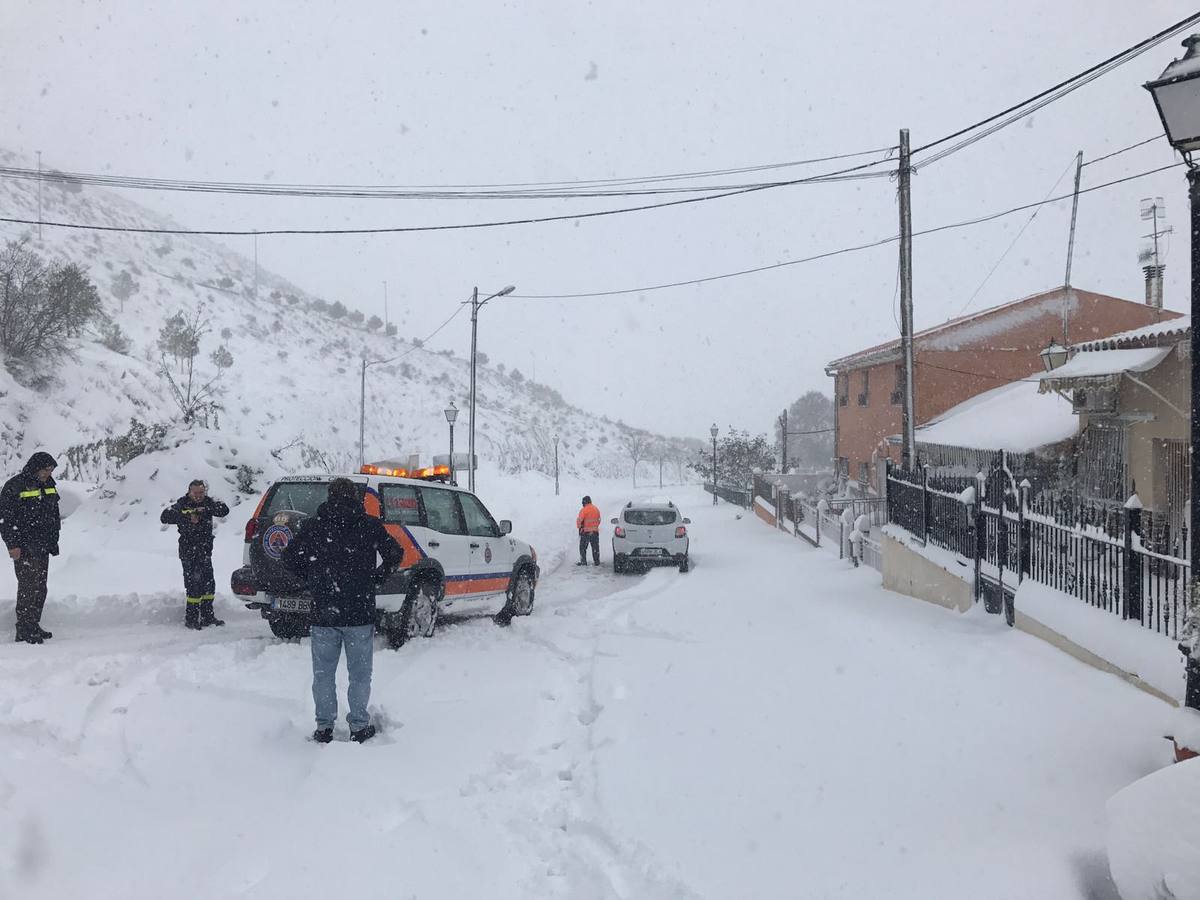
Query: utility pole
(471, 440)
(256, 267)
(556, 465)
(906, 304)
(362, 411)
(783, 436)
(1066, 303)
(386, 322)
(39, 155)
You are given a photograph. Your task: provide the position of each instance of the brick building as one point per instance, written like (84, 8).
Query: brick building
(959, 359)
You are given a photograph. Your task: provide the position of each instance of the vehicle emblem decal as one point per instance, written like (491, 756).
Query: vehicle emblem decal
(280, 518)
(487, 553)
(275, 540)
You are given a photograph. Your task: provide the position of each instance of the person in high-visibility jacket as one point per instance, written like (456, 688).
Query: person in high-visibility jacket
(588, 524)
(193, 513)
(29, 523)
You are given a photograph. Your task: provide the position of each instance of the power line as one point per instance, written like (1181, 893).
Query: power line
(1059, 90)
(515, 191)
(930, 365)
(1123, 150)
(843, 250)
(841, 174)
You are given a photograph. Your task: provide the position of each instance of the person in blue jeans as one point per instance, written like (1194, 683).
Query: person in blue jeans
(334, 555)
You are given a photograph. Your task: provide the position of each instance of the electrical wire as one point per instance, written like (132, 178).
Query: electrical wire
(930, 365)
(1008, 250)
(515, 191)
(1122, 150)
(843, 250)
(1030, 105)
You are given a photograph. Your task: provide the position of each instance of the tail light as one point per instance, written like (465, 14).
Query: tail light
(681, 531)
(619, 532)
(251, 530)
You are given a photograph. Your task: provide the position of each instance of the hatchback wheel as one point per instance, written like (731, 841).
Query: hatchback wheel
(417, 617)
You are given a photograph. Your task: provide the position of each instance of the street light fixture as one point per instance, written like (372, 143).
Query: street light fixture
(1177, 96)
(451, 414)
(1054, 355)
(713, 432)
(476, 303)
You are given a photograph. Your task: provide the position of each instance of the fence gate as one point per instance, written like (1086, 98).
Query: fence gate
(999, 525)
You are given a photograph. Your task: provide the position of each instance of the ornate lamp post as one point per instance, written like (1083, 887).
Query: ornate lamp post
(451, 414)
(1177, 95)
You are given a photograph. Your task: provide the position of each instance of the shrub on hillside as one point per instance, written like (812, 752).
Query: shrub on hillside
(112, 337)
(41, 304)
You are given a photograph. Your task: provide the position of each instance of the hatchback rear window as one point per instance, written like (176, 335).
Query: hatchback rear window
(650, 516)
(300, 496)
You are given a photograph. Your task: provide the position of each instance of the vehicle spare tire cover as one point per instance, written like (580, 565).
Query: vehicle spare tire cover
(267, 549)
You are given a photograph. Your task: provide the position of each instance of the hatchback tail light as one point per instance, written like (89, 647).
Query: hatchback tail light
(619, 532)
(251, 530)
(681, 531)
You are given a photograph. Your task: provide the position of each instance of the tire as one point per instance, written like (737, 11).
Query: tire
(618, 565)
(288, 628)
(684, 565)
(520, 598)
(417, 617)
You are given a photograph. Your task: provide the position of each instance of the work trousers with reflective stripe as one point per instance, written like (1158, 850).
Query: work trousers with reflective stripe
(198, 580)
(32, 571)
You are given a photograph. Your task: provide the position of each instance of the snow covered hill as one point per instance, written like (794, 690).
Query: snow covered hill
(290, 401)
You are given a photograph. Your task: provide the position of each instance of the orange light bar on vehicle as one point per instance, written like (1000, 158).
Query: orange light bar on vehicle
(427, 472)
(369, 470)
(441, 470)
(381, 470)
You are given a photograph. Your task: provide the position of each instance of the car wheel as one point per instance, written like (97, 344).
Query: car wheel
(683, 566)
(288, 628)
(618, 564)
(417, 617)
(520, 599)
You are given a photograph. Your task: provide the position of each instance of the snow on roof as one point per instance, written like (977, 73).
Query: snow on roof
(1096, 363)
(1013, 417)
(1171, 329)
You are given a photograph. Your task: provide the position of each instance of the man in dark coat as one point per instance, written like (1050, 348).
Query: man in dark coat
(29, 523)
(194, 513)
(334, 555)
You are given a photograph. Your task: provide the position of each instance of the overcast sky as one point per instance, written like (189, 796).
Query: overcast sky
(475, 92)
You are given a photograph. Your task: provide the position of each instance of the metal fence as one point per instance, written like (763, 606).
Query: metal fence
(730, 495)
(1109, 557)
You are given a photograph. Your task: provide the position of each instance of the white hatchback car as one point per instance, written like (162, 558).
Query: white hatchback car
(650, 533)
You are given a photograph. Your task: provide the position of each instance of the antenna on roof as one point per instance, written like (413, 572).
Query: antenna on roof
(1151, 253)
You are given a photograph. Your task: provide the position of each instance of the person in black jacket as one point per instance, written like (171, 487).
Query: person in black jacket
(29, 523)
(194, 513)
(334, 556)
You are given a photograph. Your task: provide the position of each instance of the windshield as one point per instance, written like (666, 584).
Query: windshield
(650, 516)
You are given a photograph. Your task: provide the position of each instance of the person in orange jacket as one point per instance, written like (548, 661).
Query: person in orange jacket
(588, 525)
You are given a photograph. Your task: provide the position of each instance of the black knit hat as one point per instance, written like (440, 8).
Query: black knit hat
(41, 460)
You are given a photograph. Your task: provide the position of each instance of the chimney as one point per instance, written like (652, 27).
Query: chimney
(1154, 285)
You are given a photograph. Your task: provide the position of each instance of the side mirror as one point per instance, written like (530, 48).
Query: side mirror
(614, 521)
(687, 521)
(505, 526)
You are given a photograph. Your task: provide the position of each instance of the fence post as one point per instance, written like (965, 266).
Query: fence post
(980, 526)
(925, 504)
(1133, 559)
(1024, 544)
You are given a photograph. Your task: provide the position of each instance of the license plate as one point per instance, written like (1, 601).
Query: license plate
(650, 552)
(292, 604)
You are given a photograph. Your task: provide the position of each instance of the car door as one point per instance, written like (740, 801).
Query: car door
(445, 538)
(491, 552)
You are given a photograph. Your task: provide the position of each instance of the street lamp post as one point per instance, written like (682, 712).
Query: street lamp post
(556, 465)
(476, 303)
(362, 402)
(451, 414)
(713, 432)
(1177, 95)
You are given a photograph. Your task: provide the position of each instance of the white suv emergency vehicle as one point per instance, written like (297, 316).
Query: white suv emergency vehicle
(455, 553)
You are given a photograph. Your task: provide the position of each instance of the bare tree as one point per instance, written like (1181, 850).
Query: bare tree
(636, 444)
(180, 338)
(42, 304)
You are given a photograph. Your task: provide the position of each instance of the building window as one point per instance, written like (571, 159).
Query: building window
(843, 467)
(864, 472)
(843, 389)
(898, 390)
(865, 397)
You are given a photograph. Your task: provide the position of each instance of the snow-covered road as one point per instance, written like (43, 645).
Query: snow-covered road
(771, 724)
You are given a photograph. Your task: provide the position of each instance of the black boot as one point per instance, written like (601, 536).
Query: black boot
(206, 614)
(363, 734)
(323, 735)
(26, 635)
(45, 635)
(191, 615)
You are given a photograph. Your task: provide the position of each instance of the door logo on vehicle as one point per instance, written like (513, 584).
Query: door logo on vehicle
(280, 518)
(487, 553)
(275, 540)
